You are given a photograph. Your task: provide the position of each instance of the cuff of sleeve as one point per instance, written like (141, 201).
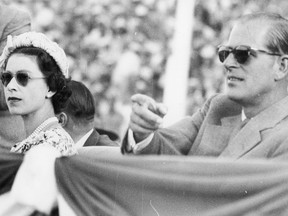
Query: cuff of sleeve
(137, 147)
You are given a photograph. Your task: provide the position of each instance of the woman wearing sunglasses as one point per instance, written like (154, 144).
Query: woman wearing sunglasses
(35, 75)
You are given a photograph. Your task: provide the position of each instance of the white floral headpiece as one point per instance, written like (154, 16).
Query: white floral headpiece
(36, 39)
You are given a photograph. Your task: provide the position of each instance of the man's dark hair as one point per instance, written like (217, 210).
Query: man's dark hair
(277, 33)
(80, 105)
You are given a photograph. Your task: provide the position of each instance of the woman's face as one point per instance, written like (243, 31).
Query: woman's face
(29, 99)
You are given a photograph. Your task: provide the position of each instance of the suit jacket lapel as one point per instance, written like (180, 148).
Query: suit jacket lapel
(243, 141)
(215, 138)
(249, 136)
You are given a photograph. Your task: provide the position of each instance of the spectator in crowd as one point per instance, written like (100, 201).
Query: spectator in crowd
(13, 22)
(256, 62)
(77, 118)
(35, 75)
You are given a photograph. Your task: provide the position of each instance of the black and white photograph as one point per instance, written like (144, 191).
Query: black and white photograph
(144, 108)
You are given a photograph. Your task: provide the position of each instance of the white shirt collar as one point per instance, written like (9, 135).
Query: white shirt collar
(243, 116)
(83, 139)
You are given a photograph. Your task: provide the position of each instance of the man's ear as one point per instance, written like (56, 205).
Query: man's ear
(63, 119)
(283, 68)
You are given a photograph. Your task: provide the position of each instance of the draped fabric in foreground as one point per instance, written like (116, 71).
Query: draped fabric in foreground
(9, 165)
(104, 183)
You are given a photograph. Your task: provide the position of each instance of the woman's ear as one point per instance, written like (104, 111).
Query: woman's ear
(63, 119)
(49, 94)
(282, 68)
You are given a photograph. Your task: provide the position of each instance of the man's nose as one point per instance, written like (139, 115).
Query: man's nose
(230, 62)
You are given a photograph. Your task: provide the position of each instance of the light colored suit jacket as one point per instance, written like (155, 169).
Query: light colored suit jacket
(214, 131)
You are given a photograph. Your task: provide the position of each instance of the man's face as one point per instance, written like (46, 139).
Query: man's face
(3, 105)
(251, 82)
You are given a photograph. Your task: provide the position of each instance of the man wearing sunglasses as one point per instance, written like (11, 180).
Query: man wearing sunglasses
(250, 120)
(12, 22)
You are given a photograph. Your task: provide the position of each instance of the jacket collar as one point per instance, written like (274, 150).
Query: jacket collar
(250, 135)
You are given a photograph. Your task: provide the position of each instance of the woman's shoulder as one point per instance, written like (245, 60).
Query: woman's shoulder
(56, 133)
(61, 140)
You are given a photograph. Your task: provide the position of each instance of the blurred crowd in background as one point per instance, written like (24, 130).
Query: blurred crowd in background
(120, 47)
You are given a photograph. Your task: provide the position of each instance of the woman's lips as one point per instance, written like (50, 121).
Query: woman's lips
(13, 99)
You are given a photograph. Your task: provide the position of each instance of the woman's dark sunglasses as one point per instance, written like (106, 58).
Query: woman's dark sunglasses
(240, 53)
(22, 78)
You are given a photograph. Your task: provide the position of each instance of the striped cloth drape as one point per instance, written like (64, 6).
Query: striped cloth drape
(104, 183)
(101, 181)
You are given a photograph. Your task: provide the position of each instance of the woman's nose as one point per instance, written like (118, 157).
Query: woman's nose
(12, 84)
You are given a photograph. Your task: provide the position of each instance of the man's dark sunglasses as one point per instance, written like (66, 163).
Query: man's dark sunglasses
(22, 78)
(240, 53)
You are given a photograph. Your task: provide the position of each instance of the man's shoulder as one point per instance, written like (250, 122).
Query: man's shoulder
(223, 105)
(111, 134)
(97, 139)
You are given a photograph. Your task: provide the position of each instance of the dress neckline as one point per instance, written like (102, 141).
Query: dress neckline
(41, 128)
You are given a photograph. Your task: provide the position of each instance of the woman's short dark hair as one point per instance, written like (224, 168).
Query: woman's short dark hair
(55, 79)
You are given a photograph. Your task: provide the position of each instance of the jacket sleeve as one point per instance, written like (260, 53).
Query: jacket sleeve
(178, 138)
